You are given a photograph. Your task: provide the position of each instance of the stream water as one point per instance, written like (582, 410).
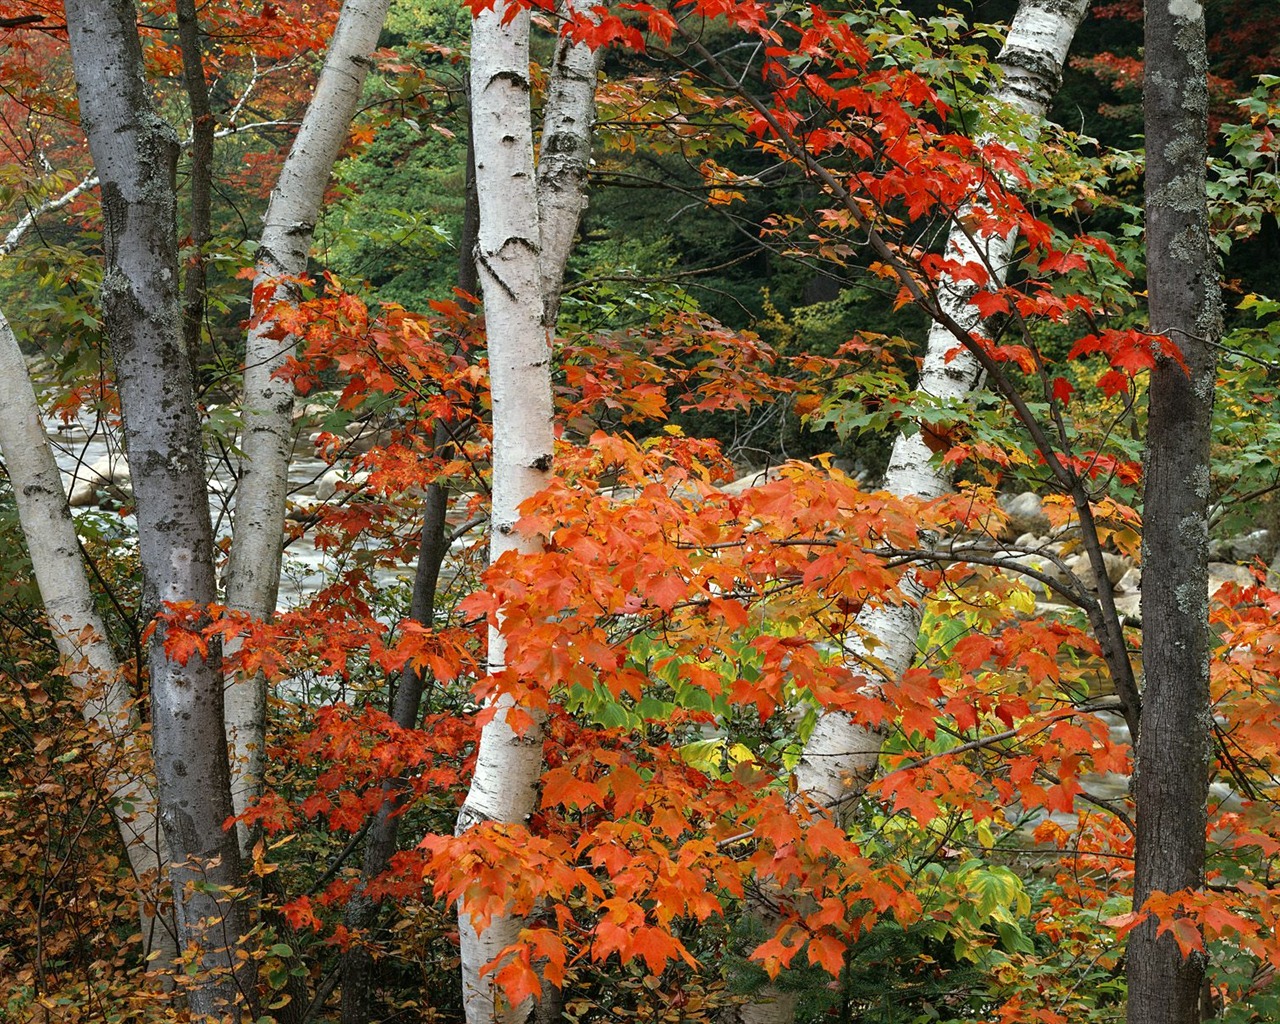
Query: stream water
(80, 447)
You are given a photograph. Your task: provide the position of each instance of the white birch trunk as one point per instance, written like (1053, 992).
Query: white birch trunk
(80, 634)
(528, 220)
(840, 756)
(564, 160)
(253, 577)
(503, 788)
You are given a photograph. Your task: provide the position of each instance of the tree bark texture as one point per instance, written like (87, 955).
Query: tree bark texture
(564, 159)
(1184, 301)
(81, 636)
(135, 152)
(200, 184)
(521, 272)
(253, 577)
(503, 788)
(841, 756)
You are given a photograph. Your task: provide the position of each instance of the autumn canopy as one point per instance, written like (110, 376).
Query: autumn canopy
(685, 512)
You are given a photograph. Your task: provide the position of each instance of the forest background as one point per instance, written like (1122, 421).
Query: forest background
(675, 640)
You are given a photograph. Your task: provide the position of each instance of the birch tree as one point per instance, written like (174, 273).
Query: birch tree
(563, 159)
(841, 756)
(81, 636)
(136, 306)
(267, 402)
(135, 152)
(528, 217)
(1184, 304)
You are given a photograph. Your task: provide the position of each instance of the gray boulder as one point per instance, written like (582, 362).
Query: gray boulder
(108, 476)
(1026, 514)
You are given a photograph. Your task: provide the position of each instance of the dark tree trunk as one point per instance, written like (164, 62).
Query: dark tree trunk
(358, 973)
(136, 153)
(1174, 746)
(468, 280)
(201, 181)
(358, 968)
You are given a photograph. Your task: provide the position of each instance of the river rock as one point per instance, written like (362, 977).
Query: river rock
(365, 435)
(1129, 607)
(1130, 582)
(1082, 568)
(1026, 514)
(1243, 548)
(109, 474)
(1226, 572)
(752, 478)
(1118, 566)
(311, 411)
(1030, 542)
(1070, 530)
(327, 485)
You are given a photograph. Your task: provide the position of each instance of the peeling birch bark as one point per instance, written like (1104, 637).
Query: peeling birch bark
(564, 160)
(80, 635)
(503, 788)
(253, 576)
(521, 271)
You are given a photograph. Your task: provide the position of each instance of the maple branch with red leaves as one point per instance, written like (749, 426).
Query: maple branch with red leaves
(1104, 617)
